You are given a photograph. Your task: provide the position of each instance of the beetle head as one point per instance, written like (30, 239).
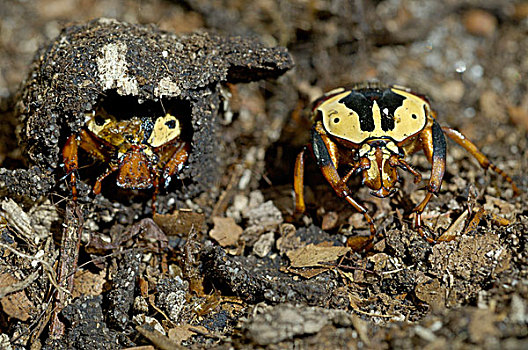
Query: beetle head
(138, 144)
(378, 162)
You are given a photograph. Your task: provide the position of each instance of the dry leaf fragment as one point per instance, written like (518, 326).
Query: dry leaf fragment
(185, 331)
(17, 304)
(225, 231)
(181, 333)
(359, 243)
(432, 292)
(314, 255)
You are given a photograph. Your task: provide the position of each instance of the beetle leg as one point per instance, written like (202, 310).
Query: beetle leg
(351, 172)
(484, 162)
(434, 146)
(93, 147)
(97, 185)
(71, 159)
(298, 183)
(71, 162)
(321, 145)
(396, 161)
(173, 166)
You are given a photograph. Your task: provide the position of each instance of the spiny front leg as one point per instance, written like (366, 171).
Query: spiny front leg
(484, 162)
(327, 163)
(98, 182)
(70, 159)
(173, 166)
(434, 146)
(298, 184)
(396, 161)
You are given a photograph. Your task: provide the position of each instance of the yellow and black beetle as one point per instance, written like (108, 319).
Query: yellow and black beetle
(371, 128)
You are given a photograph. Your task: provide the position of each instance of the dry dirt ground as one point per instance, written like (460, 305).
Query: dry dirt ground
(222, 265)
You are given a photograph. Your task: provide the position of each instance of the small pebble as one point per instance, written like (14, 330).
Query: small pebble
(480, 23)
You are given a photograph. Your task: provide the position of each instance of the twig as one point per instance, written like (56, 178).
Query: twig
(19, 220)
(371, 314)
(69, 253)
(17, 286)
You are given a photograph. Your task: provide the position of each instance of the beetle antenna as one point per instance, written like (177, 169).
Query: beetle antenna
(162, 106)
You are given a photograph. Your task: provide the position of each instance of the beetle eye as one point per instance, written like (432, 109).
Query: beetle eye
(165, 129)
(98, 122)
(336, 120)
(414, 116)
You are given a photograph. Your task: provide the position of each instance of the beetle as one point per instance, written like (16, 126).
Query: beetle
(143, 150)
(370, 128)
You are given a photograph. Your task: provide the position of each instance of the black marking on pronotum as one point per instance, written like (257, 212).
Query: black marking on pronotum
(363, 107)
(389, 102)
(319, 149)
(362, 103)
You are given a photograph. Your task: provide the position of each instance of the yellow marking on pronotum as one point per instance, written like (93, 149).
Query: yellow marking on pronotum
(166, 129)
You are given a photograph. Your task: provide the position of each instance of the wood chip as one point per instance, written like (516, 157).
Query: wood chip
(307, 272)
(455, 229)
(183, 332)
(159, 340)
